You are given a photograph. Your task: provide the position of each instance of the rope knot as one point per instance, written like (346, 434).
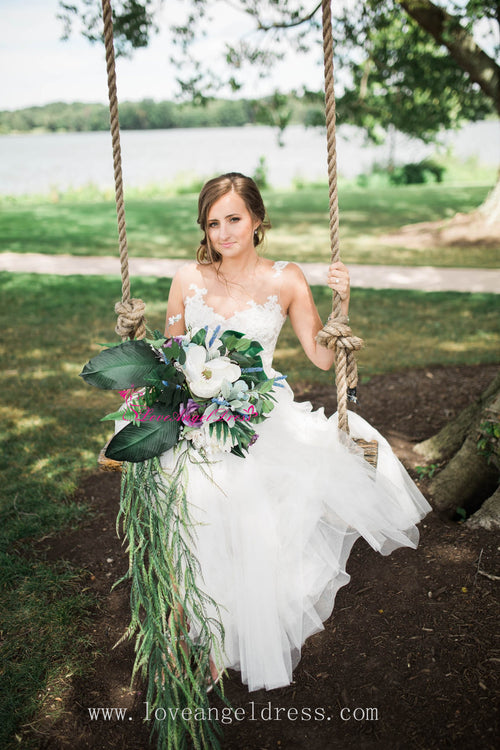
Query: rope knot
(131, 321)
(336, 333)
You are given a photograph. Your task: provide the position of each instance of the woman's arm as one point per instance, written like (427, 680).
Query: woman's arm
(174, 324)
(304, 315)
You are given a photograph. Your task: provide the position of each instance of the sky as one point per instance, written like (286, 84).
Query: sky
(36, 67)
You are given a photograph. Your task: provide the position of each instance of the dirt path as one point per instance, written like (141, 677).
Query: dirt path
(426, 278)
(407, 660)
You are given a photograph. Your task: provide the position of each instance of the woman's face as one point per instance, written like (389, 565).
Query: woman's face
(231, 226)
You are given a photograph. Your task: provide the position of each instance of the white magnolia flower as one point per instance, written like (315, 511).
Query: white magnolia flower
(212, 342)
(205, 377)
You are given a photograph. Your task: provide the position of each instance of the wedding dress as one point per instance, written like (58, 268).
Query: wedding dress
(274, 530)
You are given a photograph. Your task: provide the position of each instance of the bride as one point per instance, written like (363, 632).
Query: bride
(274, 530)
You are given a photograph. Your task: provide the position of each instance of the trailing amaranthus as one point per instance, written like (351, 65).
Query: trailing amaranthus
(165, 580)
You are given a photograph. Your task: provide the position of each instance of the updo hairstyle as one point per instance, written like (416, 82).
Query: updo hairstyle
(214, 189)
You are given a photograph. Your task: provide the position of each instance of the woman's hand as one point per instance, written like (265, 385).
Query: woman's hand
(338, 279)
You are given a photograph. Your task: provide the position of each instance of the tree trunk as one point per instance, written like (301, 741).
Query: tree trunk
(488, 515)
(490, 209)
(446, 30)
(468, 478)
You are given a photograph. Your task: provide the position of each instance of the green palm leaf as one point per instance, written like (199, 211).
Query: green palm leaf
(127, 365)
(156, 434)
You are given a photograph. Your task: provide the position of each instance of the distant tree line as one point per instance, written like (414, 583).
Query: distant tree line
(278, 110)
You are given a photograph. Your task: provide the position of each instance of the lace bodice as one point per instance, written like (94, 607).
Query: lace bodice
(262, 322)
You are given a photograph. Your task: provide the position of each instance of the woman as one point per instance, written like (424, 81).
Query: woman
(274, 530)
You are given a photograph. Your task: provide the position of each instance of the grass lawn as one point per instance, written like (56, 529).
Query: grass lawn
(166, 227)
(51, 434)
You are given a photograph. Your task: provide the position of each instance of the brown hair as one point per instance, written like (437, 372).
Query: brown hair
(214, 189)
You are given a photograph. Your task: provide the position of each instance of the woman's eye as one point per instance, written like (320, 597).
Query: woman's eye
(212, 224)
(235, 218)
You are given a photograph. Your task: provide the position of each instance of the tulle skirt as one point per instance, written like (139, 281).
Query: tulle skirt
(274, 530)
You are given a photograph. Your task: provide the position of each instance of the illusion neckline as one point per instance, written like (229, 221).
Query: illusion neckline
(260, 305)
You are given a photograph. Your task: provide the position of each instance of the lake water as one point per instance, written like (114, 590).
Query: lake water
(36, 163)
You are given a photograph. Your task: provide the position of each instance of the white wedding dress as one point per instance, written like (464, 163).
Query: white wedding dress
(274, 530)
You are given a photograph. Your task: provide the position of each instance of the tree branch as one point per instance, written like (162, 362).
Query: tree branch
(290, 24)
(447, 31)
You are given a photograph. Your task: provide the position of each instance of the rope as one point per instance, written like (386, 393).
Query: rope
(130, 311)
(336, 334)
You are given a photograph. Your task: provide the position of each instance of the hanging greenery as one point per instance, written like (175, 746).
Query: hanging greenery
(172, 650)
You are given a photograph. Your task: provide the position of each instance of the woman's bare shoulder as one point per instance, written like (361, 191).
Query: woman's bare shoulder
(281, 268)
(190, 273)
(290, 280)
(291, 273)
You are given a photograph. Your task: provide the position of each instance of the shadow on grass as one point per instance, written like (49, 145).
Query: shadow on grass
(52, 435)
(160, 228)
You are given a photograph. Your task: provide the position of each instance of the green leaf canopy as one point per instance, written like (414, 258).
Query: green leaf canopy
(131, 364)
(157, 433)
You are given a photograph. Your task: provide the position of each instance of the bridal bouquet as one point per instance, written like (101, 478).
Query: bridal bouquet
(203, 387)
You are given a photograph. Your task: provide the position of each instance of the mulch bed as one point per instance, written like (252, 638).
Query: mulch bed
(408, 658)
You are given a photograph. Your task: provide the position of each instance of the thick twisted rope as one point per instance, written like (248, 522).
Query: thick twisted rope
(130, 311)
(336, 334)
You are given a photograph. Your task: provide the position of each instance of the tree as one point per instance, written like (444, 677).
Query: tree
(284, 25)
(448, 31)
(411, 65)
(469, 449)
(404, 79)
